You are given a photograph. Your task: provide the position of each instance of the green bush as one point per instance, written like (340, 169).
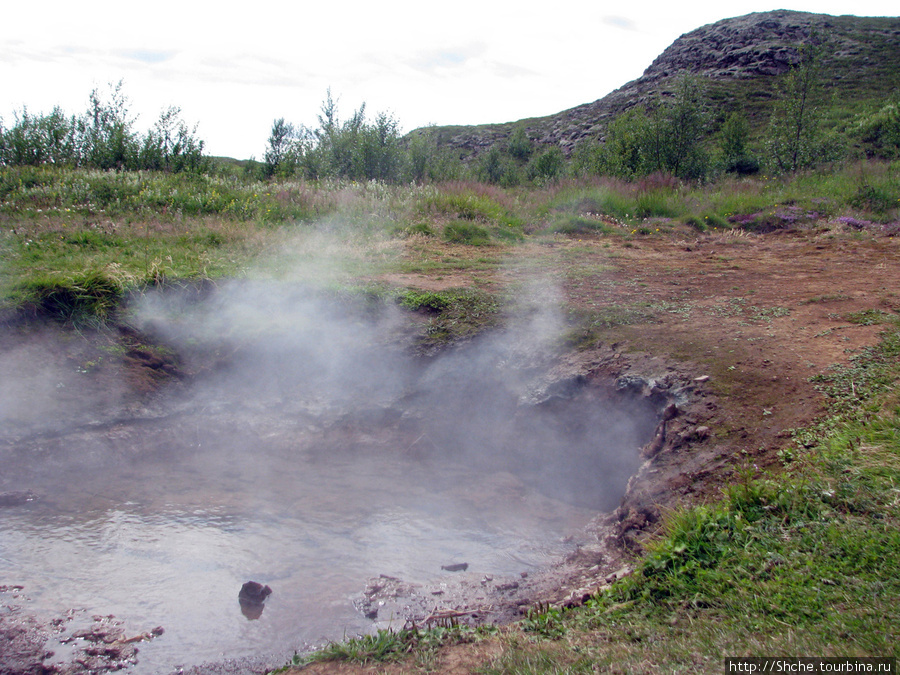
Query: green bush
(423, 229)
(548, 165)
(879, 130)
(696, 222)
(465, 203)
(463, 232)
(877, 198)
(666, 138)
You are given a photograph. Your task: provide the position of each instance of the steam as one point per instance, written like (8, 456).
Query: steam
(307, 447)
(338, 362)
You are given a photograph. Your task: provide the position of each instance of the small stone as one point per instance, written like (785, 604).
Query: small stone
(254, 592)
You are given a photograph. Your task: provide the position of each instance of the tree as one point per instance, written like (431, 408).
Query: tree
(548, 165)
(171, 146)
(589, 158)
(667, 139)
(683, 126)
(39, 139)
(519, 146)
(102, 137)
(278, 150)
(379, 149)
(794, 137)
(105, 130)
(736, 158)
(627, 144)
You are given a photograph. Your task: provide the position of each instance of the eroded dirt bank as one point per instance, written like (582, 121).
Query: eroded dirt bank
(728, 328)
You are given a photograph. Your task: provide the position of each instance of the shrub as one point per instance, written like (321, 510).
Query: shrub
(879, 130)
(463, 232)
(548, 165)
(103, 137)
(88, 296)
(425, 300)
(696, 222)
(465, 201)
(877, 198)
(423, 229)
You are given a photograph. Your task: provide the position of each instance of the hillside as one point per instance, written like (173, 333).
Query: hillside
(740, 59)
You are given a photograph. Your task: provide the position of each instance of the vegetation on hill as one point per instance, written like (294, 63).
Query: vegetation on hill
(742, 66)
(772, 93)
(103, 137)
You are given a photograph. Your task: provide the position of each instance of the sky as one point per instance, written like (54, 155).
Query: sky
(234, 69)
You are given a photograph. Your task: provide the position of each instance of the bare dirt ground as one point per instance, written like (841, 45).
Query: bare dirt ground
(740, 322)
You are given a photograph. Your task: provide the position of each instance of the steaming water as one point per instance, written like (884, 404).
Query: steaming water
(170, 543)
(300, 485)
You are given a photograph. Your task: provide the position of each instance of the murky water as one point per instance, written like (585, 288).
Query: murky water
(170, 543)
(159, 518)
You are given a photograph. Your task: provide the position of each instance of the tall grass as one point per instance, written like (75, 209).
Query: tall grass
(58, 222)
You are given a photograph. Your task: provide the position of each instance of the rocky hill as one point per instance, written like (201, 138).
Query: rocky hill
(739, 60)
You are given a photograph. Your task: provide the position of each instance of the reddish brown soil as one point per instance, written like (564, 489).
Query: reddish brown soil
(758, 314)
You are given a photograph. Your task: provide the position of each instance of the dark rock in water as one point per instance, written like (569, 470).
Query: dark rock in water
(456, 567)
(252, 597)
(17, 498)
(254, 592)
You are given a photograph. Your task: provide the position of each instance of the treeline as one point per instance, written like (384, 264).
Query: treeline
(676, 135)
(681, 134)
(102, 137)
(359, 148)
(356, 148)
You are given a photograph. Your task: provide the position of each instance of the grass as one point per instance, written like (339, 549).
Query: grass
(455, 314)
(387, 645)
(64, 230)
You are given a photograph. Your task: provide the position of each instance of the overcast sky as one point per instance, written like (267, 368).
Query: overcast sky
(234, 68)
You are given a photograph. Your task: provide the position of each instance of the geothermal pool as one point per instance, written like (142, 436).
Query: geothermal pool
(309, 457)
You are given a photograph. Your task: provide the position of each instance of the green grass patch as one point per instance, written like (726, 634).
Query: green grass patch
(467, 202)
(88, 296)
(455, 314)
(388, 645)
(470, 234)
(421, 229)
(580, 225)
(426, 300)
(27, 191)
(868, 317)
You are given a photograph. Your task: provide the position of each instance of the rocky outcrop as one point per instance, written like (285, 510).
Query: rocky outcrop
(730, 54)
(759, 44)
